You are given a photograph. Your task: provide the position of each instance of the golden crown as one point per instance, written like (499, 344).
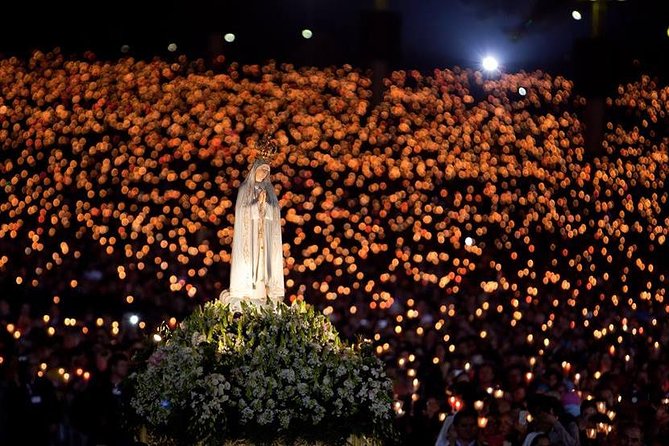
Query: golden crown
(267, 148)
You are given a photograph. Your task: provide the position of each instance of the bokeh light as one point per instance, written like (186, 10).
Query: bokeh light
(459, 222)
(489, 63)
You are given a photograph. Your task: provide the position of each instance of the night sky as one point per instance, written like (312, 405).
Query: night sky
(523, 34)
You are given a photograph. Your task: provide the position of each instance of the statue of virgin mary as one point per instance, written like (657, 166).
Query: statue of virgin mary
(256, 274)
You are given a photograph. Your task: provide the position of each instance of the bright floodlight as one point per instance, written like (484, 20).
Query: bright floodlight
(229, 37)
(172, 47)
(489, 63)
(469, 241)
(576, 15)
(134, 319)
(307, 34)
(522, 91)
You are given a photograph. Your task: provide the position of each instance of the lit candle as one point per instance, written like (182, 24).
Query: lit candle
(601, 407)
(566, 367)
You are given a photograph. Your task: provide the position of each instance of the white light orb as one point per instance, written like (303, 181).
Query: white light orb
(576, 15)
(307, 34)
(489, 63)
(229, 37)
(134, 319)
(125, 48)
(469, 241)
(522, 91)
(172, 47)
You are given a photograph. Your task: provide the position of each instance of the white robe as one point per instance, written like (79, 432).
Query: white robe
(256, 273)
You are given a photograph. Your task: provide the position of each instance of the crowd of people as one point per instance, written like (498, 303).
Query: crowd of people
(511, 280)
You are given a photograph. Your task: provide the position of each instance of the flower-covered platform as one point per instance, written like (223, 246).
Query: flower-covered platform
(260, 376)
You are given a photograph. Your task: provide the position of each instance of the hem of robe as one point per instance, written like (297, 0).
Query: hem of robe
(258, 302)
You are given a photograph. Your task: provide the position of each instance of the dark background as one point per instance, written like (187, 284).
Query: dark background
(420, 34)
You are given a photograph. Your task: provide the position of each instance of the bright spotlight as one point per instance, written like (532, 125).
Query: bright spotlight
(489, 63)
(307, 34)
(229, 37)
(134, 319)
(522, 91)
(172, 47)
(576, 15)
(469, 241)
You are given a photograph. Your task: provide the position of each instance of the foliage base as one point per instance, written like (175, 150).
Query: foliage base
(276, 375)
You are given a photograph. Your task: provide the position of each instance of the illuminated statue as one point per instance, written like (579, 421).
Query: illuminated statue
(256, 273)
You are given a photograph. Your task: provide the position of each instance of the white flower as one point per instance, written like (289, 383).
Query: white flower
(288, 375)
(284, 420)
(265, 418)
(247, 414)
(198, 339)
(264, 383)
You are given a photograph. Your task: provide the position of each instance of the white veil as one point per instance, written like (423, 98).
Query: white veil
(244, 242)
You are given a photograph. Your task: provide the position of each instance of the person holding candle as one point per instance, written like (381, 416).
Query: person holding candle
(546, 412)
(461, 429)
